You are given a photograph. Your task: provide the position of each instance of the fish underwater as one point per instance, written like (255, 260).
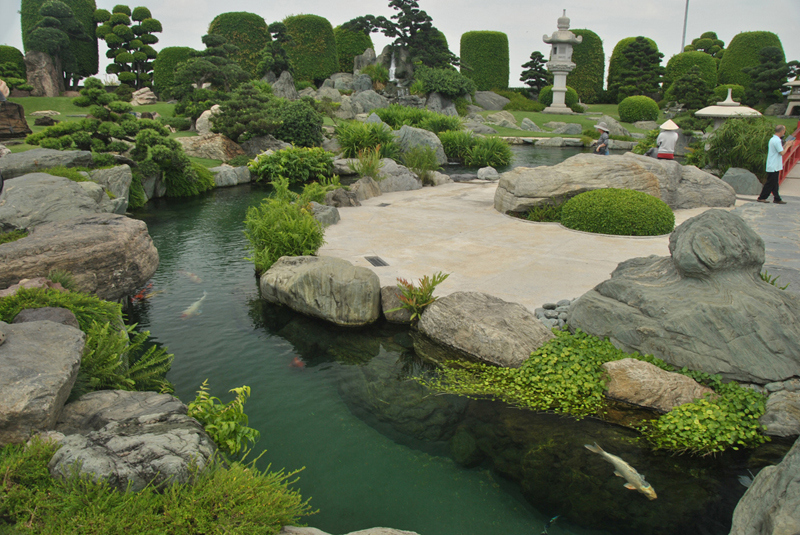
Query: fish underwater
(142, 294)
(297, 363)
(635, 480)
(194, 309)
(191, 276)
(549, 523)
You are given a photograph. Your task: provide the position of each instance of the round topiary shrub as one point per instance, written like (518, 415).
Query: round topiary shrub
(166, 64)
(350, 44)
(621, 212)
(590, 61)
(618, 64)
(721, 92)
(638, 108)
(248, 32)
(570, 99)
(742, 52)
(312, 50)
(484, 59)
(680, 64)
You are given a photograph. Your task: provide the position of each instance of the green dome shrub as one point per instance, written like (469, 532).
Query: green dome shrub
(166, 64)
(742, 52)
(350, 44)
(9, 54)
(638, 108)
(617, 64)
(680, 64)
(312, 51)
(248, 32)
(721, 92)
(590, 61)
(302, 124)
(622, 212)
(484, 59)
(570, 99)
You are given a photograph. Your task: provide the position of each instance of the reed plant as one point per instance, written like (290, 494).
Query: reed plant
(368, 163)
(356, 136)
(457, 143)
(423, 162)
(489, 151)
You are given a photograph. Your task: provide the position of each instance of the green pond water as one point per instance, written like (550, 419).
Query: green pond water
(379, 450)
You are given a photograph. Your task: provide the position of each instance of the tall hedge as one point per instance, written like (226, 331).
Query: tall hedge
(312, 51)
(166, 64)
(680, 64)
(248, 32)
(9, 54)
(484, 59)
(590, 66)
(350, 44)
(617, 65)
(742, 52)
(85, 51)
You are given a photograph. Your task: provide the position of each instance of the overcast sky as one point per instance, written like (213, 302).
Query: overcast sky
(524, 21)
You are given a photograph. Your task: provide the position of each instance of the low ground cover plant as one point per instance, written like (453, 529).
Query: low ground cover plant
(12, 235)
(298, 164)
(88, 309)
(620, 212)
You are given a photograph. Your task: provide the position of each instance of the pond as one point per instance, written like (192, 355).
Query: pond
(378, 449)
(525, 155)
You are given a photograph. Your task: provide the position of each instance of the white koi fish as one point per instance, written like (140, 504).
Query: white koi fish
(194, 309)
(635, 480)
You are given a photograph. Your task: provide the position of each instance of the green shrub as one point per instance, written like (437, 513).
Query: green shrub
(519, 102)
(622, 212)
(721, 92)
(488, 151)
(457, 144)
(546, 213)
(297, 164)
(618, 65)
(302, 124)
(743, 52)
(396, 116)
(689, 122)
(377, 73)
(682, 63)
(570, 98)
(166, 64)
(246, 31)
(741, 143)
(279, 228)
(239, 161)
(638, 108)
(9, 54)
(422, 162)
(438, 122)
(312, 49)
(590, 66)
(181, 124)
(349, 44)
(12, 235)
(249, 113)
(368, 164)
(447, 82)
(136, 194)
(484, 59)
(225, 423)
(647, 143)
(356, 136)
(88, 309)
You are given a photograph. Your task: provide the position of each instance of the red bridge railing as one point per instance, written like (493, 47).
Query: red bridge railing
(792, 156)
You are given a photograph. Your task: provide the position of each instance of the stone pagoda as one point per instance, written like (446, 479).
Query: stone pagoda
(560, 63)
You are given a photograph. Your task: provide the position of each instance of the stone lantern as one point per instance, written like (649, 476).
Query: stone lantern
(794, 96)
(725, 110)
(560, 63)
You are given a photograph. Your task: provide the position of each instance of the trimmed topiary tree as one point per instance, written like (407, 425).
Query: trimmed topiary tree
(130, 45)
(638, 108)
(742, 52)
(246, 31)
(618, 64)
(682, 63)
(708, 43)
(484, 59)
(15, 60)
(349, 44)
(312, 49)
(621, 212)
(590, 61)
(570, 98)
(166, 64)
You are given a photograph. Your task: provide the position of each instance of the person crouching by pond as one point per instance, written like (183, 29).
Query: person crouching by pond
(602, 143)
(667, 140)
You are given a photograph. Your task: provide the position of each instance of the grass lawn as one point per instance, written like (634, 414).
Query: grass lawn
(205, 162)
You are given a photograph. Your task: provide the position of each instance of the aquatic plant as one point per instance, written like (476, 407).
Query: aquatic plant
(416, 298)
(225, 423)
(488, 151)
(457, 143)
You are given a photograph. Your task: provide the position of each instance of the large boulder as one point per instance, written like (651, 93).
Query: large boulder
(44, 74)
(614, 128)
(529, 125)
(365, 59)
(479, 128)
(348, 109)
(343, 81)
(152, 449)
(12, 122)
(32, 200)
(409, 137)
(109, 255)
(704, 307)
(502, 117)
(256, 145)
(341, 198)
(572, 129)
(32, 161)
(64, 316)
(771, 505)
(742, 181)
(641, 383)
(143, 97)
(212, 147)
(284, 87)
(440, 104)
(782, 416)
(329, 93)
(40, 362)
(397, 177)
(484, 328)
(489, 100)
(362, 82)
(365, 188)
(203, 123)
(369, 100)
(226, 175)
(325, 287)
(117, 181)
(680, 186)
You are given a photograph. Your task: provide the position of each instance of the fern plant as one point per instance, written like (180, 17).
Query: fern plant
(416, 298)
(225, 423)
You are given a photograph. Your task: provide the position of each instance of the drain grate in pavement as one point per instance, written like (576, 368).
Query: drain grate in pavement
(383, 205)
(376, 261)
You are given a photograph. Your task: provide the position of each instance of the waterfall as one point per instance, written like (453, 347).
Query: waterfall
(392, 69)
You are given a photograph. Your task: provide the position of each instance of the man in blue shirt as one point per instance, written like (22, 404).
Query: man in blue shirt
(774, 165)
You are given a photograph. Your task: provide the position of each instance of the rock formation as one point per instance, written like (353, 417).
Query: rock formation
(33, 161)
(489, 100)
(12, 121)
(409, 137)
(212, 147)
(44, 74)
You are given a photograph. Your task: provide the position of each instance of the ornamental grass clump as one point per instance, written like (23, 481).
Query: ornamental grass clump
(489, 152)
(422, 162)
(621, 212)
(368, 163)
(356, 136)
(297, 164)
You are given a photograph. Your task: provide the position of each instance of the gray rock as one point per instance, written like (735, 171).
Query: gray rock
(488, 100)
(792, 385)
(348, 109)
(499, 117)
(343, 81)
(440, 178)
(369, 100)
(782, 417)
(479, 128)
(341, 198)
(362, 82)
(365, 59)
(614, 128)
(549, 306)
(203, 123)
(40, 362)
(408, 137)
(484, 327)
(156, 448)
(397, 177)
(440, 104)
(615, 144)
(108, 255)
(375, 119)
(677, 185)
(771, 503)
(225, 175)
(774, 387)
(476, 117)
(488, 173)
(62, 316)
(38, 198)
(529, 125)
(563, 303)
(550, 142)
(404, 68)
(270, 78)
(507, 124)
(307, 92)
(342, 166)
(32, 161)
(569, 128)
(551, 314)
(330, 93)
(742, 181)
(705, 307)
(326, 215)
(117, 180)
(284, 87)
(554, 124)
(365, 188)
(327, 84)
(646, 125)
(390, 300)
(4, 151)
(331, 145)
(143, 97)
(95, 410)
(641, 383)
(256, 145)
(324, 287)
(775, 109)
(42, 73)
(572, 142)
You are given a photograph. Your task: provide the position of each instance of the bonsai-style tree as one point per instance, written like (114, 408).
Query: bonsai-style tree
(251, 112)
(52, 35)
(129, 46)
(535, 74)
(767, 77)
(274, 58)
(691, 89)
(642, 72)
(214, 65)
(708, 43)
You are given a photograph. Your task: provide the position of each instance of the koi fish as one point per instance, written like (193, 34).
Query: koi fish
(297, 363)
(635, 480)
(152, 294)
(142, 294)
(549, 523)
(194, 309)
(191, 276)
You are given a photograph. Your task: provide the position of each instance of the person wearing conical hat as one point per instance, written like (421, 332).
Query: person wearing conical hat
(667, 140)
(602, 143)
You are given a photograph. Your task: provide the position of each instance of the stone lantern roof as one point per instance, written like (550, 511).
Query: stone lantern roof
(725, 110)
(563, 35)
